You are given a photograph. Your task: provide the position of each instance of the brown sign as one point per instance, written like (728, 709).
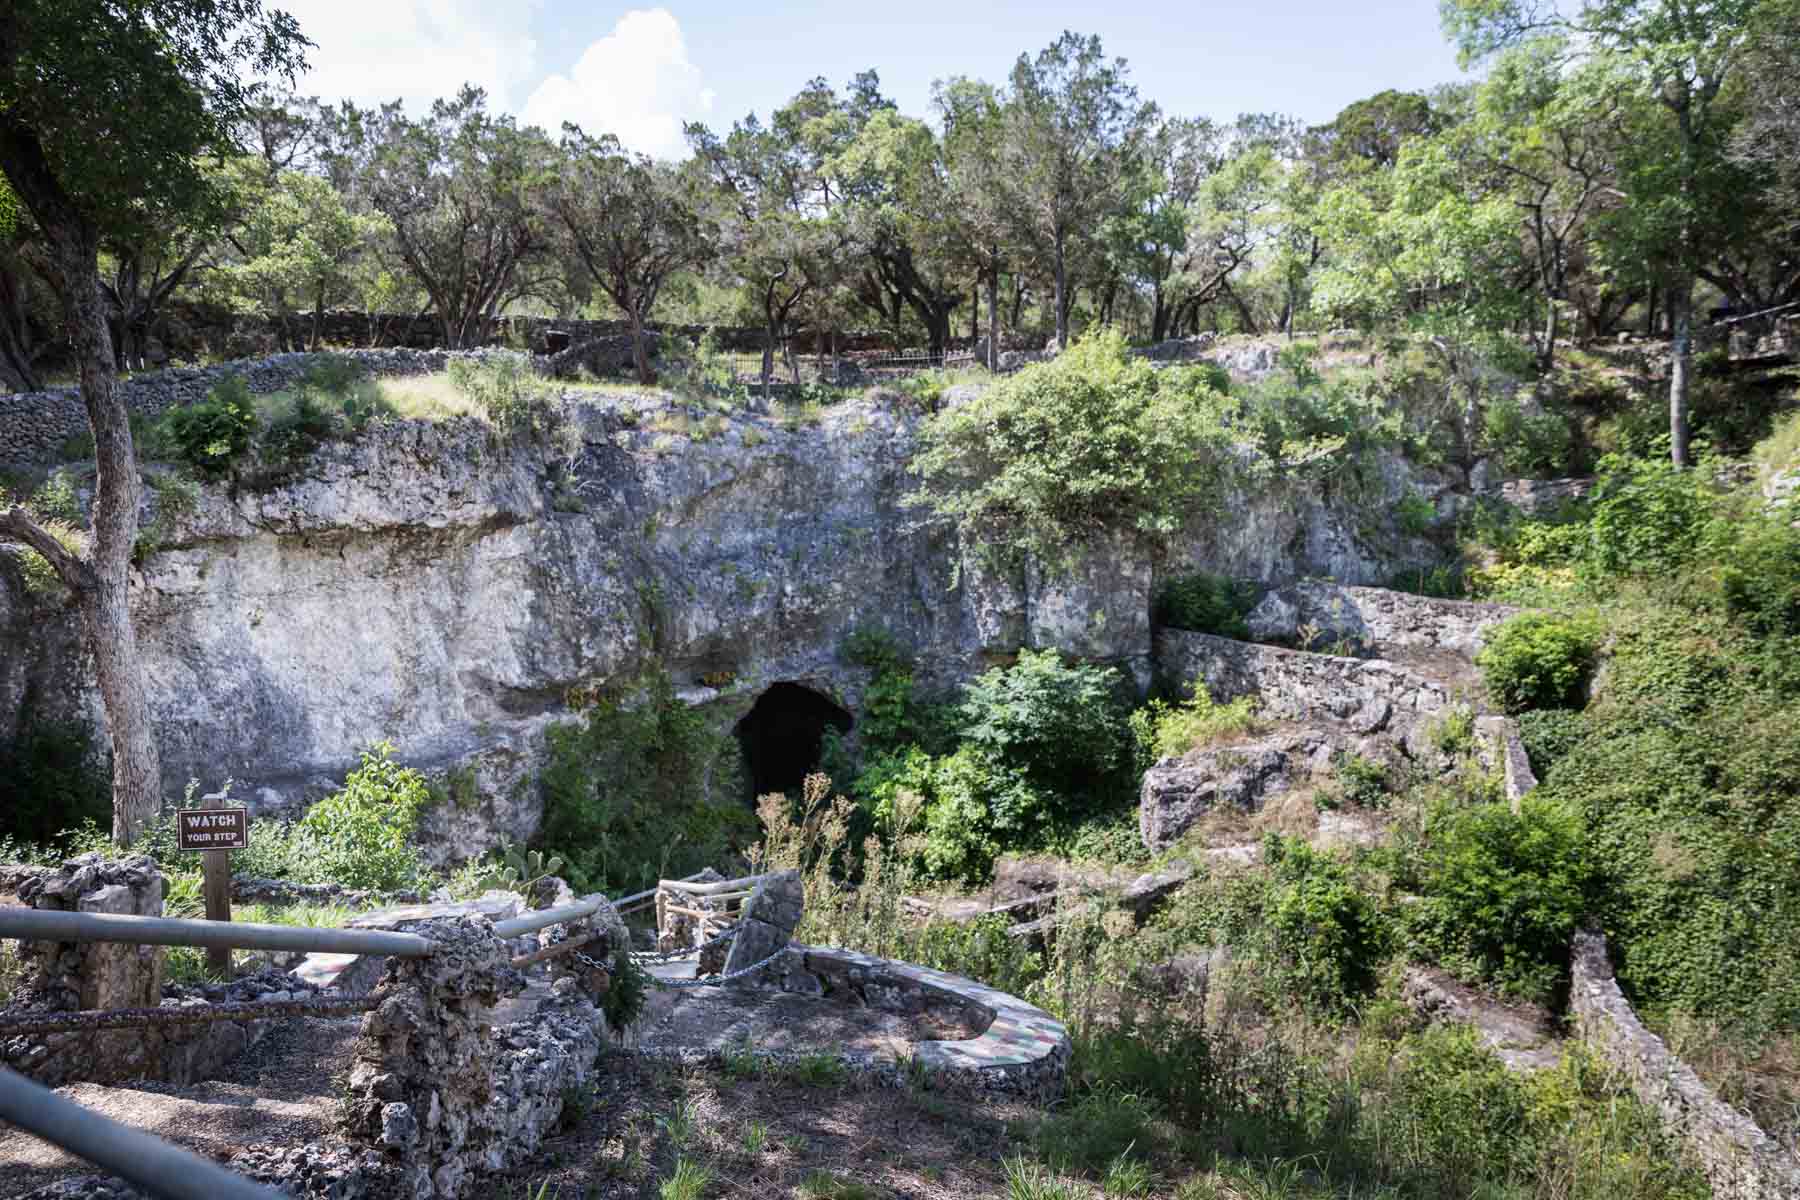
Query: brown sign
(213, 828)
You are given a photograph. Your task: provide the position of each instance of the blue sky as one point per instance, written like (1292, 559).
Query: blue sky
(640, 71)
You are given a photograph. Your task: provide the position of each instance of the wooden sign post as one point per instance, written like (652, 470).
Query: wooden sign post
(215, 833)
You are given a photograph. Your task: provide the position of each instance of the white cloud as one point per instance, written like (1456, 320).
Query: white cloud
(373, 51)
(635, 83)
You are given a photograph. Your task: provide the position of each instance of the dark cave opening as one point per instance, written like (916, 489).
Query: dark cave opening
(782, 736)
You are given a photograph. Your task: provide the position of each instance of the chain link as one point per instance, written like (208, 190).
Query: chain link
(715, 980)
(650, 957)
(589, 963)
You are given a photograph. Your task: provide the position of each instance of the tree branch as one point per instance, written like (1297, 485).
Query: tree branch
(16, 525)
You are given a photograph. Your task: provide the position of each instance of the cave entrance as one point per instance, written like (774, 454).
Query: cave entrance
(782, 736)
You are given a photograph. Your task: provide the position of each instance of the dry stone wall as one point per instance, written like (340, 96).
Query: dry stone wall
(34, 425)
(1740, 1160)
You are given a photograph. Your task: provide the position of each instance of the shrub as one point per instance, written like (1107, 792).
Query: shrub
(362, 836)
(1205, 603)
(1327, 933)
(1162, 730)
(1548, 734)
(1649, 517)
(213, 434)
(1058, 725)
(1092, 443)
(631, 794)
(1536, 660)
(1502, 893)
(1757, 572)
(1535, 444)
(513, 397)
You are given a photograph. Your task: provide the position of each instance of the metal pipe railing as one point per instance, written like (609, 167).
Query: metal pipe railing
(531, 922)
(150, 1163)
(711, 889)
(47, 925)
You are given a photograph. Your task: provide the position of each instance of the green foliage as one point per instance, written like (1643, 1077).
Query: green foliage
(1415, 514)
(629, 793)
(1538, 444)
(1549, 734)
(627, 991)
(1648, 517)
(212, 434)
(363, 835)
(1060, 725)
(1756, 568)
(1092, 443)
(1687, 779)
(1327, 934)
(1162, 730)
(1502, 893)
(1096, 1131)
(1362, 781)
(56, 776)
(518, 868)
(1536, 660)
(1205, 603)
(511, 395)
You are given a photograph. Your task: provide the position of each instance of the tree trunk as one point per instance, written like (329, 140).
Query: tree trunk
(993, 308)
(1650, 313)
(640, 352)
(1062, 296)
(1681, 350)
(1547, 355)
(105, 601)
(975, 313)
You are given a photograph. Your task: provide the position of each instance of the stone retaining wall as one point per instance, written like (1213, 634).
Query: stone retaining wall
(1740, 1160)
(76, 976)
(1362, 697)
(1021, 1050)
(34, 425)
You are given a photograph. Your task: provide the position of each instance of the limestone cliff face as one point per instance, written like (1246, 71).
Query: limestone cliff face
(424, 585)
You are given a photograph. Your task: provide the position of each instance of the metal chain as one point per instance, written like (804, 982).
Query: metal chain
(591, 964)
(647, 957)
(715, 980)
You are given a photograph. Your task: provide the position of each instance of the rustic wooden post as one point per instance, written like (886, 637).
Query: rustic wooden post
(215, 833)
(217, 866)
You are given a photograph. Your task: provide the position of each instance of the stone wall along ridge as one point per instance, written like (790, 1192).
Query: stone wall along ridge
(1740, 1160)
(35, 425)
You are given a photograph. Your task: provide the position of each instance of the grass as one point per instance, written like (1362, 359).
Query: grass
(687, 1182)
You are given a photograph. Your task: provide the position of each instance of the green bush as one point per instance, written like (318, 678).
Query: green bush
(1058, 725)
(363, 835)
(1534, 444)
(1327, 933)
(1548, 734)
(1648, 517)
(213, 434)
(1205, 603)
(57, 778)
(1092, 443)
(1535, 660)
(1162, 730)
(634, 792)
(1501, 893)
(513, 397)
(1757, 571)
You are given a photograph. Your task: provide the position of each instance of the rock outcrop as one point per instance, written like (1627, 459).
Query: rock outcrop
(431, 585)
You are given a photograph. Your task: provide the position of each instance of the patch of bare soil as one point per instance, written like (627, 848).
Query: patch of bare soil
(283, 1092)
(772, 1136)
